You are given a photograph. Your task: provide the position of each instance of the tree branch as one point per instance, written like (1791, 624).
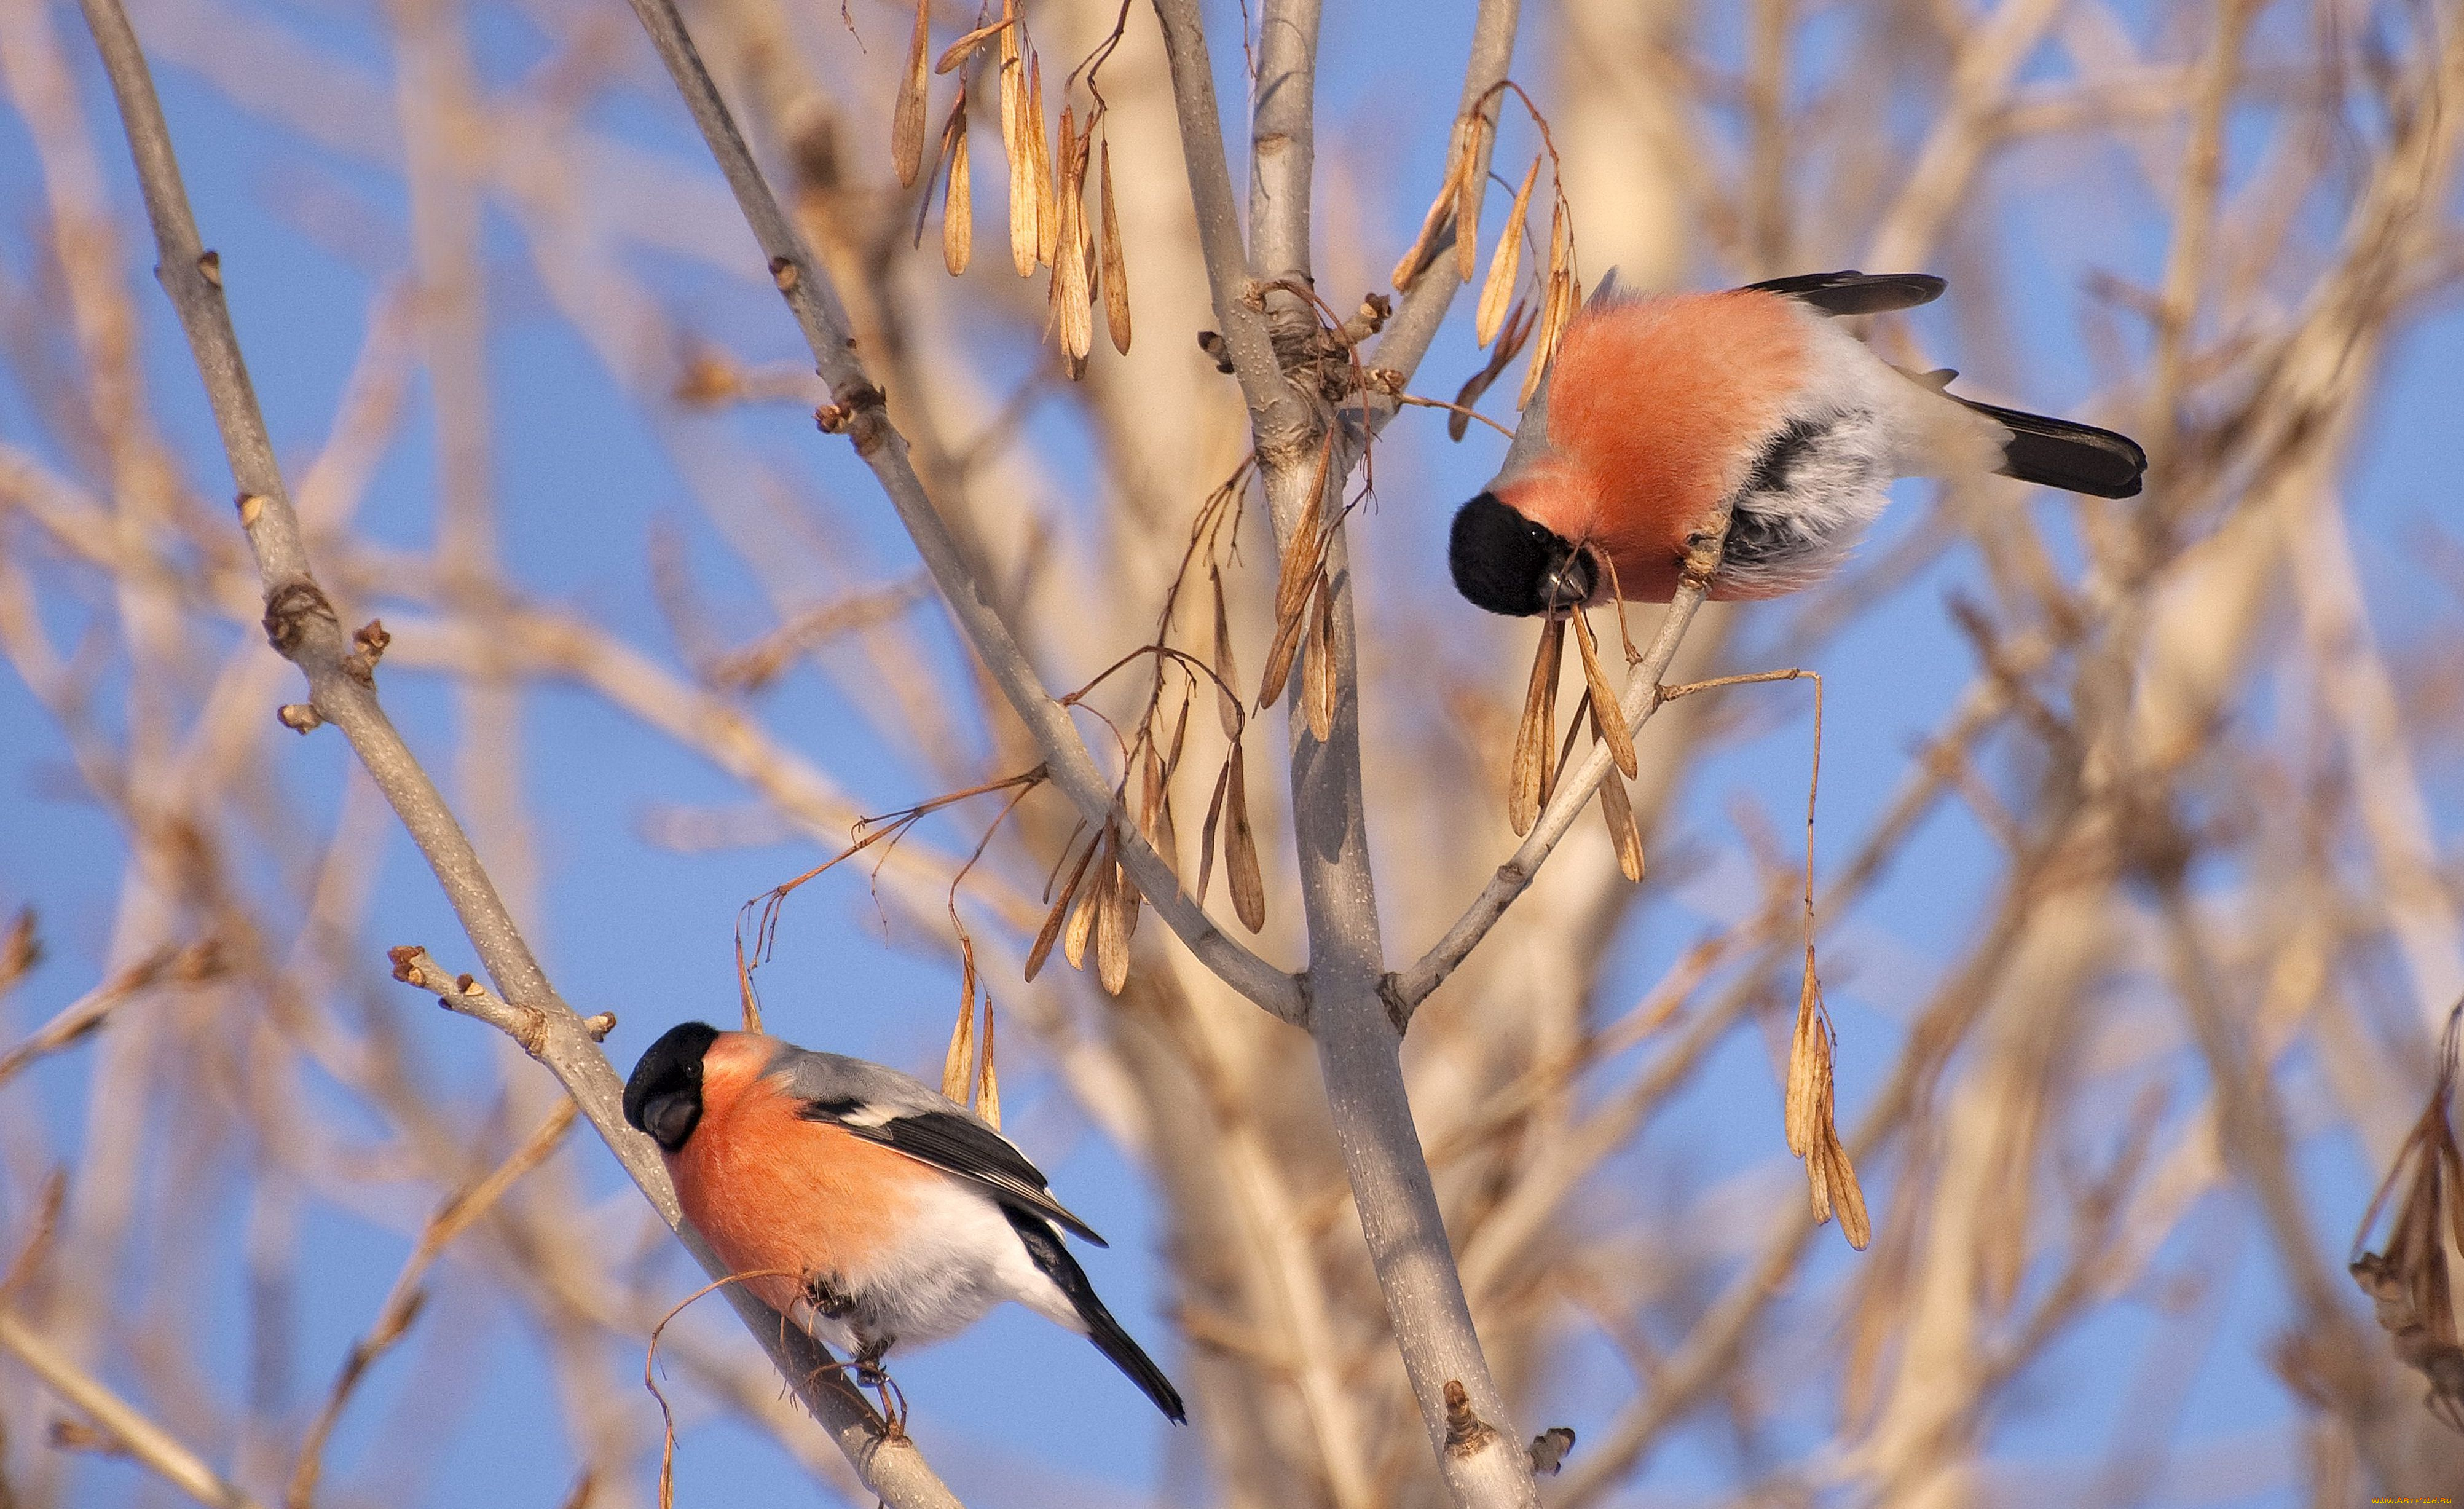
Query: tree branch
(1282, 153)
(1279, 416)
(1358, 1038)
(1641, 698)
(1432, 294)
(304, 626)
(858, 408)
(127, 1426)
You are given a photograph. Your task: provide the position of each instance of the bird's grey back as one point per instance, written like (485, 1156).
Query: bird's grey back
(831, 1078)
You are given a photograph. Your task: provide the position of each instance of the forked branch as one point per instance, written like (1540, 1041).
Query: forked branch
(304, 626)
(858, 409)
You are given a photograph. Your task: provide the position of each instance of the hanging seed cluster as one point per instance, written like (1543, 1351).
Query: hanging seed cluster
(1502, 321)
(1097, 910)
(2409, 1284)
(1049, 226)
(1540, 759)
(967, 1075)
(1812, 1126)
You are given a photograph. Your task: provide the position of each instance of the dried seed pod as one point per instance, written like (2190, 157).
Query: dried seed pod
(1227, 671)
(1069, 255)
(1149, 791)
(1854, 1223)
(1280, 654)
(1298, 570)
(1809, 1065)
(1112, 930)
(1317, 665)
(1166, 838)
(1048, 212)
(958, 203)
(987, 1082)
(1115, 264)
(1812, 1133)
(1442, 211)
(1519, 326)
(1240, 852)
(1607, 716)
(1051, 930)
(1090, 906)
(1528, 778)
(1206, 835)
(956, 51)
(907, 119)
(1470, 181)
(1016, 153)
(1556, 307)
(957, 1065)
(1616, 810)
(1505, 263)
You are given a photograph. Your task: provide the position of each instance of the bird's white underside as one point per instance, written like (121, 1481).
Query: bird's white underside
(958, 1258)
(1878, 424)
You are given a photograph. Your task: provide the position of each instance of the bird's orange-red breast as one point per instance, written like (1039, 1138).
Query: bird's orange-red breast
(769, 1189)
(1661, 413)
(860, 1204)
(1642, 459)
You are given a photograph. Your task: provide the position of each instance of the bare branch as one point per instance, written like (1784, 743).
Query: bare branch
(857, 406)
(1277, 412)
(127, 1426)
(304, 626)
(73, 1022)
(1357, 1031)
(1643, 697)
(403, 1302)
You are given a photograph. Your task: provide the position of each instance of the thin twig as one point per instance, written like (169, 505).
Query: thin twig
(127, 1426)
(73, 1022)
(857, 408)
(304, 626)
(1643, 697)
(403, 1302)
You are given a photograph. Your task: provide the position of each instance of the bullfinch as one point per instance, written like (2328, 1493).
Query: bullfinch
(1660, 408)
(903, 1215)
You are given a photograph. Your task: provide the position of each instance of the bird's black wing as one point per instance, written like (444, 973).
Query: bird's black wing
(1855, 293)
(2065, 453)
(949, 1138)
(1045, 1249)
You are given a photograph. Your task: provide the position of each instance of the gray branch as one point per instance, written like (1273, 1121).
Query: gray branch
(341, 670)
(1640, 700)
(858, 408)
(1432, 294)
(1358, 1038)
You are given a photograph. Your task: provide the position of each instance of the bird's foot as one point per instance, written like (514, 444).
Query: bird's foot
(826, 1297)
(871, 1374)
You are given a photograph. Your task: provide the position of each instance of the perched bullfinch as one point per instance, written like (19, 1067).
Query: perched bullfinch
(907, 1217)
(1660, 408)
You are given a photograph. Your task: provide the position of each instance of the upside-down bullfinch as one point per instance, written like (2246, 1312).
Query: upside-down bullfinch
(1661, 409)
(903, 1215)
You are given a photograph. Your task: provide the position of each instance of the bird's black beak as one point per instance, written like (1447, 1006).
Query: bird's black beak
(1569, 582)
(670, 1117)
(662, 1098)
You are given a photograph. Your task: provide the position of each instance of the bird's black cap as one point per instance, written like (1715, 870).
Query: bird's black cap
(669, 1074)
(1508, 564)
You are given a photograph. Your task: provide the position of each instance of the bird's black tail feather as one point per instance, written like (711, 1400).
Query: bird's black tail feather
(2058, 453)
(1043, 1246)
